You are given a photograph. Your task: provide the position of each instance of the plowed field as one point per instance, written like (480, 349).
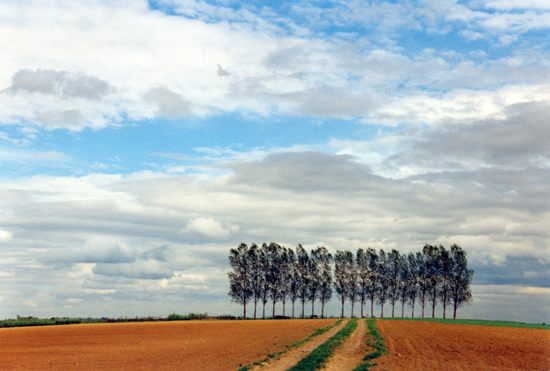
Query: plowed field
(435, 346)
(189, 345)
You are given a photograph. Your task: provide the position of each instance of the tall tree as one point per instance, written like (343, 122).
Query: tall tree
(341, 276)
(384, 280)
(444, 278)
(405, 282)
(266, 267)
(413, 263)
(394, 265)
(431, 254)
(460, 278)
(239, 276)
(362, 263)
(257, 276)
(303, 275)
(353, 281)
(423, 279)
(294, 279)
(314, 275)
(285, 276)
(372, 258)
(274, 274)
(323, 259)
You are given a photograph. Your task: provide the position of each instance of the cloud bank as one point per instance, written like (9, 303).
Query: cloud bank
(138, 60)
(147, 235)
(443, 114)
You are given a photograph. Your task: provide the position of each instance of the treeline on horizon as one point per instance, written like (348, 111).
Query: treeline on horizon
(274, 273)
(25, 321)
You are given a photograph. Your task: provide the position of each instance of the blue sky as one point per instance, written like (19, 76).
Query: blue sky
(140, 140)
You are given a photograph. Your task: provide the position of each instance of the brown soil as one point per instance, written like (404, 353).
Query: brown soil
(189, 345)
(350, 354)
(294, 356)
(437, 346)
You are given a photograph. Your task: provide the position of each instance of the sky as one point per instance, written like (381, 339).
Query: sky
(141, 140)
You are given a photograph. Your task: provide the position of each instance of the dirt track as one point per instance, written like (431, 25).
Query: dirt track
(293, 356)
(350, 354)
(436, 346)
(190, 345)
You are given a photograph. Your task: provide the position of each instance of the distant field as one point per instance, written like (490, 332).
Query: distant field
(422, 345)
(53, 321)
(478, 322)
(183, 345)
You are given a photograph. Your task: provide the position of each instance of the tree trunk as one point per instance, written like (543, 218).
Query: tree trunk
(303, 304)
(371, 307)
(255, 304)
(423, 305)
(392, 308)
(412, 314)
(362, 305)
(263, 309)
(293, 308)
(382, 311)
(402, 309)
(433, 302)
(312, 307)
(322, 309)
(454, 311)
(444, 310)
(244, 310)
(352, 305)
(342, 315)
(284, 307)
(274, 309)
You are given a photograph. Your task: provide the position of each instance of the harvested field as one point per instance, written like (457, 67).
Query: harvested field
(188, 345)
(416, 345)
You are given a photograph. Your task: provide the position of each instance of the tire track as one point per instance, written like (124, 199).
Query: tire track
(351, 352)
(294, 356)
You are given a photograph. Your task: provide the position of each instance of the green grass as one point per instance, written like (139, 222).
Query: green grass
(376, 342)
(34, 321)
(186, 317)
(480, 322)
(319, 355)
(290, 346)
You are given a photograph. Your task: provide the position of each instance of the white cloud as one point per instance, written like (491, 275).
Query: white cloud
(512, 290)
(141, 269)
(209, 227)
(31, 156)
(515, 23)
(459, 105)
(108, 37)
(5, 236)
(130, 66)
(517, 4)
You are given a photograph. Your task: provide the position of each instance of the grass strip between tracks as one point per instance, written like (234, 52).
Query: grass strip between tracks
(296, 344)
(376, 342)
(319, 355)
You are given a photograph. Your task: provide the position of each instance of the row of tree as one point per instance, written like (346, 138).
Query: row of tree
(273, 273)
